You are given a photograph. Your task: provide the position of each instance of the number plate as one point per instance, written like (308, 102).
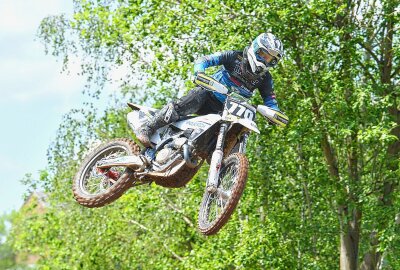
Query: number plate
(241, 110)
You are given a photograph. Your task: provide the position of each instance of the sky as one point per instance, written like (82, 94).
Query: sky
(34, 94)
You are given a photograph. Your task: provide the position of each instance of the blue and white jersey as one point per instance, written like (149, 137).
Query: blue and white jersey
(231, 75)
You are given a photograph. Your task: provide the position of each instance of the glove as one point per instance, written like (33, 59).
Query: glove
(279, 119)
(272, 104)
(274, 117)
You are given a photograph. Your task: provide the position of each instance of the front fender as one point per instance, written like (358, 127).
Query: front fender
(249, 124)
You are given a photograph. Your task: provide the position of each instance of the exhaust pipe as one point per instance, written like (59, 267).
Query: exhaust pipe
(186, 156)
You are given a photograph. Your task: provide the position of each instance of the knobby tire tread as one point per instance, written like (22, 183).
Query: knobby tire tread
(117, 190)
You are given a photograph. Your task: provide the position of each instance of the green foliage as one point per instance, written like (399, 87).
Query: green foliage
(7, 253)
(334, 168)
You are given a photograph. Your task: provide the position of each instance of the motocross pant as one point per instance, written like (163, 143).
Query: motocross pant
(198, 101)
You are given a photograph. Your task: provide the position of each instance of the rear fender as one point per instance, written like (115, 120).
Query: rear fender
(136, 119)
(147, 110)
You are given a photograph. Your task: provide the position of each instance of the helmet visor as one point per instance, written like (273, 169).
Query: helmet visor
(267, 57)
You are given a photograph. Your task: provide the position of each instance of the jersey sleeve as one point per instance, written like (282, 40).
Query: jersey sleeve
(266, 89)
(215, 59)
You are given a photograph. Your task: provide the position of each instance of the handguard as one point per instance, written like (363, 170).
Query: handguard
(273, 116)
(209, 83)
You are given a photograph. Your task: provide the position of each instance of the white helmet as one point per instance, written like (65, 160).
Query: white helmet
(264, 44)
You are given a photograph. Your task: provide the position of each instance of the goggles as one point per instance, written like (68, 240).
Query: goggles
(267, 57)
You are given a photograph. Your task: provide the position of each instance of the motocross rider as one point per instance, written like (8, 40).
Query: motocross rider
(244, 70)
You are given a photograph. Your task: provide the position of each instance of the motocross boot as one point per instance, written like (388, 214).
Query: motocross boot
(163, 117)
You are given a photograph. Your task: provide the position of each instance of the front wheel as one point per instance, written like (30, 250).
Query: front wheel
(93, 187)
(217, 207)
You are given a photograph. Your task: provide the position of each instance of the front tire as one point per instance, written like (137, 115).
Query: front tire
(94, 188)
(217, 207)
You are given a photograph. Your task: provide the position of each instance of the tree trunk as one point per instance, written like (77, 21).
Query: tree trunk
(372, 258)
(349, 237)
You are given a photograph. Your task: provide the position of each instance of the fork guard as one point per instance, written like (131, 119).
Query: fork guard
(132, 162)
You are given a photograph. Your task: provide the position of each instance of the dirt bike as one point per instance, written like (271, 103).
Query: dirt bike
(179, 150)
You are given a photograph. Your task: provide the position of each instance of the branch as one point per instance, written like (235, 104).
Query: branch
(232, 13)
(156, 235)
(330, 157)
(370, 52)
(395, 72)
(171, 205)
(366, 71)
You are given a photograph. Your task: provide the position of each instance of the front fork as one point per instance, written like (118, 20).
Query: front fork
(216, 160)
(243, 143)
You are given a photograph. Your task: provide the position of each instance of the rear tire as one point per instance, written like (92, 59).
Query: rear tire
(215, 209)
(92, 188)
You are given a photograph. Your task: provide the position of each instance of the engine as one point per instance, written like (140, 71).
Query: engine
(170, 151)
(164, 155)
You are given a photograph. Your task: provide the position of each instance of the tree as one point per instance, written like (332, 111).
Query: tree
(7, 255)
(332, 175)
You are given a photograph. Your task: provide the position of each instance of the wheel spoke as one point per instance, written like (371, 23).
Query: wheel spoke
(112, 180)
(216, 205)
(223, 195)
(98, 182)
(92, 186)
(231, 183)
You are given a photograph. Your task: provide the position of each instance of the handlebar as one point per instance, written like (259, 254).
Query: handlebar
(210, 84)
(274, 117)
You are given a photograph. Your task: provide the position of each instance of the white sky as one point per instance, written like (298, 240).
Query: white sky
(33, 94)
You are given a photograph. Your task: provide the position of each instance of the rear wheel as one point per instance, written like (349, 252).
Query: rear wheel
(93, 187)
(217, 207)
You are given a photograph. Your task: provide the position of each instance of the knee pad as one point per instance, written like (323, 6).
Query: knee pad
(170, 113)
